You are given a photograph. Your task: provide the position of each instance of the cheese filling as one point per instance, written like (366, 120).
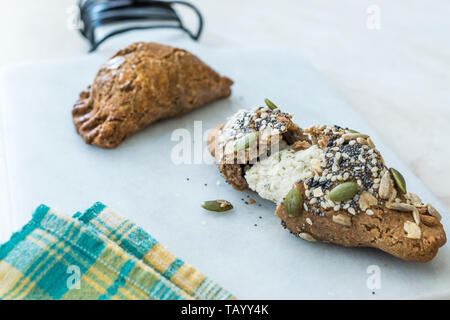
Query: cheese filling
(274, 176)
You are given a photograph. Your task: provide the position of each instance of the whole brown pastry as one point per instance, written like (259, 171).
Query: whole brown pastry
(330, 184)
(139, 85)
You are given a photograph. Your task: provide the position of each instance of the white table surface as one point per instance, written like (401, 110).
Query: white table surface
(397, 77)
(147, 187)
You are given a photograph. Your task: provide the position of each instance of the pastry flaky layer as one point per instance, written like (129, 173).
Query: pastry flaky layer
(336, 185)
(142, 84)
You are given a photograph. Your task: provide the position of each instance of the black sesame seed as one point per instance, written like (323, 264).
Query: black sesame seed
(314, 183)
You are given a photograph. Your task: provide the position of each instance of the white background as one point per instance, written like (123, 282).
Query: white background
(397, 77)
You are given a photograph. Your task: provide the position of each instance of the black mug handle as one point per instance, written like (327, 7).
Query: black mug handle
(98, 13)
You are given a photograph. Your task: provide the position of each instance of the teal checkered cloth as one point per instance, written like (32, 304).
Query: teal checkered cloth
(95, 255)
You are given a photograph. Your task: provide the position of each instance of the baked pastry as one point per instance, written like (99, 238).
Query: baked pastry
(139, 85)
(330, 184)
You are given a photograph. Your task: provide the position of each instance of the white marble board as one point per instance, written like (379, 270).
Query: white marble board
(49, 163)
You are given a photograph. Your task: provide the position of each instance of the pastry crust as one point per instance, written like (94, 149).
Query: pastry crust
(383, 230)
(378, 216)
(232, 172)
(140, 85)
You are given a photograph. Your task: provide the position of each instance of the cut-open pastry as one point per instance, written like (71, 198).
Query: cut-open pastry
(330, 184)
(142, 84)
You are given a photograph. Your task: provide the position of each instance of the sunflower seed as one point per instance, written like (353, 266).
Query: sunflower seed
(393, 195)
(413, 199)
(416, 216)
(318, 192)
(351, 136)
(400, 207)
(412, 230)
(366, 200)
(306, 236)
(433, 212)
(361, 141)
(342, 220)
(385, 186)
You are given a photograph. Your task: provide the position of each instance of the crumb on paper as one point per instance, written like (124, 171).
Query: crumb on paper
(251, 200)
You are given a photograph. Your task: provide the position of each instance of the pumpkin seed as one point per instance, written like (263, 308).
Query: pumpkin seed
(270, 104)
(344, 191)
(293, 203)
(352, 131)
(217, 205)
(399, 180)
(243, 142)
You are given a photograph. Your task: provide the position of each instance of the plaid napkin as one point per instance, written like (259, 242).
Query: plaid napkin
(95, 255)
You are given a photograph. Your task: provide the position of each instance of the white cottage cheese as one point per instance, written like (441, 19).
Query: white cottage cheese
(273, 177)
